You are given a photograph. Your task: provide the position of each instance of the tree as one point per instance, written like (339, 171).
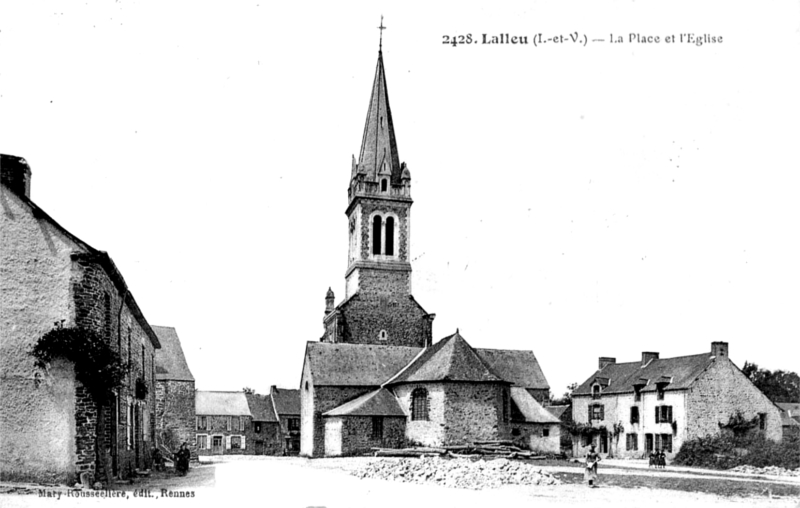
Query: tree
(248, 390)
(565, 399)
(779, 386)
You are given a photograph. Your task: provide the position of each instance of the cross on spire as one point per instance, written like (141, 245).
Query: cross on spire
(381, 28)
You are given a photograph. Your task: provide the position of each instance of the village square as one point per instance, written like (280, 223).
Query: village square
(98, 403)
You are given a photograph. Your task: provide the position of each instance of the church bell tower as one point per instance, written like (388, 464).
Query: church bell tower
(378, 306)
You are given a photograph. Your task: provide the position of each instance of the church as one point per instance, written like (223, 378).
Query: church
(376, 378)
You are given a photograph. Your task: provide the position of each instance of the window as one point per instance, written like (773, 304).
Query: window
(202, 441)
(637, 393)
(515, 432)
(545, 432)
(663, 414)
(419, 404)
(202, 423)
(632, 442)
(376, 234)
(762, 421)
(634, 415)
(596, 391)
(664, 442)
(389, 251)
(596, 412)
(236, 442)
(377, 427)
(257, 428)
(306, 385)
(586, 439)
(382, 335)
(293, 424)
(660, 392)
(383, 185)
(235, 424)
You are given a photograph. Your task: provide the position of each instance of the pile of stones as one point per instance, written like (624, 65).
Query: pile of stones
(456, 473)
(768, 470)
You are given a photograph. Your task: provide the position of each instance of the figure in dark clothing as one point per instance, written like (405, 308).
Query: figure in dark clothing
(662, 459)
(653, 459)
(590, 474)
(158, 460)
(182, 459)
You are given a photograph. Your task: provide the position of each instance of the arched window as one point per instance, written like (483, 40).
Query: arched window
(389, 236)
(419, 404)
(382, 335)
(383, 185)
(376, 234)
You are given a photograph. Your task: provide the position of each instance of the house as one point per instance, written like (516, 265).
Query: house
(286, 404)
(376, 378)
(267, 437)
(790, 418)
(630, 409)
(175, 399)
(53, 427)
(224, 424)
(564, 414)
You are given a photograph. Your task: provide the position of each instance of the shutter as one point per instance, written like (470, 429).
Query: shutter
(243, 447)
(658, 420)
(208, 442)
(669, 414)
(590, 412)
(602, 412)
(227, 442)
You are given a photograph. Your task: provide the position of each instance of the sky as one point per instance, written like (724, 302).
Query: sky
(578, 200)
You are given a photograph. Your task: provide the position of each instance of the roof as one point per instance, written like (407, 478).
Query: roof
(379, 145)
(286, 402)
(682, 370)
(377, 403)
(557, 411)
(356, 364)
(261, 407)
(520, 368)
(450, 359)
(221, 403)
(791, 408)
(531, 410)
(170, 361)
(788, 421)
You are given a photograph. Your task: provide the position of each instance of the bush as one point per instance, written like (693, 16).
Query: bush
(725, 451)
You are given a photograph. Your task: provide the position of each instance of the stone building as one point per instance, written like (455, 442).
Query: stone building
(175, 416)
(376, 378)
(286, 404)
(224, 424)
(267, 437)
(657, 403)
(52, 428)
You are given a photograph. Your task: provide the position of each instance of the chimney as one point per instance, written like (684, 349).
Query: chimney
(647, 356)
(606, 360)
(719, 349)
(273, 389)
(16, 174)
(329, 299)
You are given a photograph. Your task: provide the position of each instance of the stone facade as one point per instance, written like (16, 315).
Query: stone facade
(354, 434)
(225, 435)
(267, 438)
(314, 401)
(539, 437)
(52, 430)
(175, 416)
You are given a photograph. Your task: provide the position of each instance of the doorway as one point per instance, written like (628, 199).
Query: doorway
(216, 445)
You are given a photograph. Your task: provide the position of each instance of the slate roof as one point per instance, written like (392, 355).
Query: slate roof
(261, 407)
(379, 145)
(532, 411)
(557, 411)
(377, 403)
(356, 364)
(450, 359)
(286, 402)
(170, 362)
(682, 370)
(221, 403)
(520, 368)
(788, 421)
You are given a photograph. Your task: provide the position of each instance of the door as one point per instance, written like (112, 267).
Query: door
(648, 442)
(259, 447)
(216, 445)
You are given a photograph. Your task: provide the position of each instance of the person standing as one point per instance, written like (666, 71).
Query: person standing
(590, 474)
(182, 459)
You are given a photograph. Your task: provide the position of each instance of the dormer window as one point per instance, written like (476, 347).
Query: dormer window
(637, 393)
(596, 391)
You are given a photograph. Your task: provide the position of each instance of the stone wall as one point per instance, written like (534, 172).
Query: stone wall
(532, 436)
(722, 390)
(354, 434)
(218, 425)
(37, 408)
(315, 401)
(175, 416)
(270, 437)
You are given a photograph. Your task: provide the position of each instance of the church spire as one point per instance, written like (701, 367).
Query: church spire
(379, 146)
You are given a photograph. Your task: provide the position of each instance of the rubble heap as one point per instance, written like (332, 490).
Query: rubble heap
(768, 470)
(456, 473)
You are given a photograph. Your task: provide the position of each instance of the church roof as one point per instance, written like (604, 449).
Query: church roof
(221, 404)
(677, 373)
(286, 402)
(356, 364)
(518, 367)
(170, 362)
(377, 403)
(261, 407)
(450, 359)
(379, 146)
(531, 410)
